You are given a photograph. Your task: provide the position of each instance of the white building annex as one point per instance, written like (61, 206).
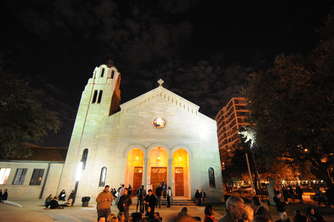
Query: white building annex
(153, 138)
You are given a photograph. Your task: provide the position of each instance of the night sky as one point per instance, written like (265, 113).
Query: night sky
(202, 49)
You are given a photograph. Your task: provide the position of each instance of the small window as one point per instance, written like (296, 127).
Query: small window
(103, 176)
(4, 174)
(112, 73)
(19, 176)
(102, 73)
(37, 176)
(100, 97)
(84, 158)
(212, 181)
(94, 96)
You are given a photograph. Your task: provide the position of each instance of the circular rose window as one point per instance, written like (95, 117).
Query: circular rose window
(159, 122)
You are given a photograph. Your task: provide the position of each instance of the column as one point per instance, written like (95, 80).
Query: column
(170, 174)
(145, 172)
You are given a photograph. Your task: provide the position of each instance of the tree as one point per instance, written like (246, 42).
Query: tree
(292, 104)
(23, 116)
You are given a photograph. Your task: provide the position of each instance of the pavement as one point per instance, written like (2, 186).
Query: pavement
(33, 211)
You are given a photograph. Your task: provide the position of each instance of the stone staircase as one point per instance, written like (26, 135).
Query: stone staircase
(179, 202)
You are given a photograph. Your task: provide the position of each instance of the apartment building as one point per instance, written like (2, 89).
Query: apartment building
(233, 116)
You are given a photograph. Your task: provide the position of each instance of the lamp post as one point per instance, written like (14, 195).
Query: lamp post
(249, 135)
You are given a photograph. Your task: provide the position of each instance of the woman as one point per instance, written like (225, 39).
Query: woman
(208, 214)
(313, 216)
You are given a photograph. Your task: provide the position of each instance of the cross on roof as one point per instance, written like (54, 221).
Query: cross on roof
(160, 81)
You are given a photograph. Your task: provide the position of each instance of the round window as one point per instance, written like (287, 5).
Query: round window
(159, 122)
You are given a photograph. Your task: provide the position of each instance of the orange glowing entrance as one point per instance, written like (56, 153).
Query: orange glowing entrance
(135, 168)
(181, 172)
(158, 175)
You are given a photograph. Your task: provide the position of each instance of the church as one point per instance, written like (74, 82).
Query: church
(156, 137)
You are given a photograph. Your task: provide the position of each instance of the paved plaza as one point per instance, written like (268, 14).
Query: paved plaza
(33, 211)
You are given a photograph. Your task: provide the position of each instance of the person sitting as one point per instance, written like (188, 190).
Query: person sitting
(48, 201)
(54, 204)
(208, 214)
(299, 217)
(312, 215)
(62, 195)
(183, 212)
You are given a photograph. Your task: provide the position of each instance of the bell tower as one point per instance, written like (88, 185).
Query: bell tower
(100, 99)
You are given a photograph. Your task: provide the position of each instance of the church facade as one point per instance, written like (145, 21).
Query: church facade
(153, 138)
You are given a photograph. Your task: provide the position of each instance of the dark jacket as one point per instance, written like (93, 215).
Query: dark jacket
(124, 202)
(280, 205)
(151, 200)
(141, 193)
(158, 191)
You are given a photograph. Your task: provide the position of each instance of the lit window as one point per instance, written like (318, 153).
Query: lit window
(4, 174)
(212, 181)
(103, 176)
(37, 177)
(19, 176)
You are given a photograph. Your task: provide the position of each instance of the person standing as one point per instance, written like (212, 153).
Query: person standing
(234, 209)
(169, 196)
(158, 193)
(150, 202)
(198, 197)
(130, 190)
(104, 201)
(299, 192)
(203, 196)
(280, 206)
(141, 193)
(124, 204)
(0, 195)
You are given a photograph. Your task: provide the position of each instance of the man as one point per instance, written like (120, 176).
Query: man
(203, 196)
(280, 205)
(198, 198)
(141, 193)
(104, 201)
(158, 192)
(124, 204)
(234, 209)
(169, 196)
(150, 202)
(299, 192)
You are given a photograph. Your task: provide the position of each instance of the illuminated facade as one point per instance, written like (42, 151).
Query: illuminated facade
(230, 119)
(156, 137)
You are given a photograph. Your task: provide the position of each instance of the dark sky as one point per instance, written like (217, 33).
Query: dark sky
(190, 43)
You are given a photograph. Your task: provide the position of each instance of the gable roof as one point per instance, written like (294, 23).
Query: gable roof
(163, 93)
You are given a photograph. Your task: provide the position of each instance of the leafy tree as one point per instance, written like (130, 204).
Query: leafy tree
(292, 104)
(23, 116)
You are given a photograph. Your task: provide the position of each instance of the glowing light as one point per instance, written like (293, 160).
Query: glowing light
(137, 157)
(180, 158)
(249, 135)
(159, 122)
(78, 171)
(305, 150)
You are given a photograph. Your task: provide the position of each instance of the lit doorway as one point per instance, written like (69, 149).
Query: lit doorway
(181, 173)
(157, 167)
(135, 167)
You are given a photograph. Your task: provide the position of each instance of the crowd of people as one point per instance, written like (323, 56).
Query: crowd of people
(238, 209)
(59, 202)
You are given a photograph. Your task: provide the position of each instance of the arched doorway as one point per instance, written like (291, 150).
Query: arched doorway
(157, 167)
(181, 172)
(135, 168)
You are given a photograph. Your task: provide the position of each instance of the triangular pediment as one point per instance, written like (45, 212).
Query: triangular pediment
(163, 94)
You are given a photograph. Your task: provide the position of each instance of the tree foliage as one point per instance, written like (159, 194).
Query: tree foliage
(23, 116)
(292, 104)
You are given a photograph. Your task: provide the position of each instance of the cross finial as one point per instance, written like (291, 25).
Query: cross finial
(160, 81)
